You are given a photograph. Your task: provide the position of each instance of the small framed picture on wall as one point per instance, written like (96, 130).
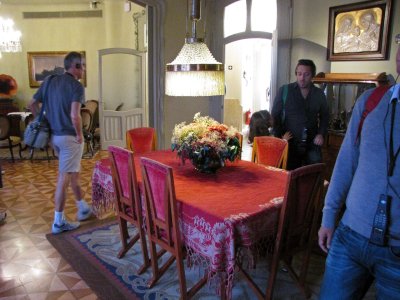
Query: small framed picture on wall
(45, 63)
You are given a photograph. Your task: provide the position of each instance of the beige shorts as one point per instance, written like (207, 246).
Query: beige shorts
(69, 153)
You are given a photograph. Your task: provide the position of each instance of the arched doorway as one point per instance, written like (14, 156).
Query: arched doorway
(249, 59)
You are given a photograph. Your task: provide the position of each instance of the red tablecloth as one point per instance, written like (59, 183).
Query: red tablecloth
(219, 213)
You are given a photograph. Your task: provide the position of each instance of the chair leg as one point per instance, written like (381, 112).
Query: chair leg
(20, 151)
(157, 271)
(181, 277)
(154, 265)
(1, 177)
(123, 232)
(146, 259)
(31, 151)
(298, 280)
(272, 276)
(11, 151)
(47, 153)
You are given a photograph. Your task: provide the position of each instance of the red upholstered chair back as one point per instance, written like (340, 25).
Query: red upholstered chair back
(141, 140)
(127, 200)
(160, 200)
(162, 223)
(125, 182)
(270, 151)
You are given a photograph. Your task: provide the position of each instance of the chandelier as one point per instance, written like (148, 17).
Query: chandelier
(195, 72)
(10, 39)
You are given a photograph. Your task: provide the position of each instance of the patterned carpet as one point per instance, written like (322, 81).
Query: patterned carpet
(92, 253)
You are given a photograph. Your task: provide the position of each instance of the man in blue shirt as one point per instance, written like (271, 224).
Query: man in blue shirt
(366, 244)
(63, 101)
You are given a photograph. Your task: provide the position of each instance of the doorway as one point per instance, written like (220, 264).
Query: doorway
(249, 59)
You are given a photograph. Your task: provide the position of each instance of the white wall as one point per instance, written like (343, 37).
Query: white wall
(114, 29)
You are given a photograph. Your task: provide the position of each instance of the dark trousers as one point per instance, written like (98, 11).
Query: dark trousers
(303, 155)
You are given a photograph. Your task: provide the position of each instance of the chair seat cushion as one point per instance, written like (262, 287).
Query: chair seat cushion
(15, 140)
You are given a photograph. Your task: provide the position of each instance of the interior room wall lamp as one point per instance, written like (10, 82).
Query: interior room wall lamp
(10, 39)
(195, 72)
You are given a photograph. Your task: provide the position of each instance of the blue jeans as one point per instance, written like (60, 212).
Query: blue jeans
(353, 264)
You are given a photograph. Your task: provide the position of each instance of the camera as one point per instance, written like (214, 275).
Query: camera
(301, 147)
(380, 226)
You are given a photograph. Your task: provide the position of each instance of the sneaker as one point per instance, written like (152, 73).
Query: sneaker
(83, 215)
(3, 216)
(67, 226)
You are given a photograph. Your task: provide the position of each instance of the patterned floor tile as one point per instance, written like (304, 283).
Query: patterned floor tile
(30, 268)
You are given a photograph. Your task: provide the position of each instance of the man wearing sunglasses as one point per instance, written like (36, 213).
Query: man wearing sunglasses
(62, 101)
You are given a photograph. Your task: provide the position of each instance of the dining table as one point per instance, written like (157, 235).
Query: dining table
(225, 217)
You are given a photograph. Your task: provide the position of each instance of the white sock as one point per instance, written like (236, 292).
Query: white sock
(59, 217)
(82, 205)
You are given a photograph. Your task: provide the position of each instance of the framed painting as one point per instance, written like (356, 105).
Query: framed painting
(359, 31)
(45, 63)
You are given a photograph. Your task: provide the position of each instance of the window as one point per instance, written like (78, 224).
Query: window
(235, 18)
(263, 15)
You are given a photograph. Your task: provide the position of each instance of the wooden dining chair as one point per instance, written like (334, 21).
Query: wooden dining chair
(297, 227)
(240, 138)
(270, 151)
(93, 107)
(127, 201)
(162, 223)
(87, 124)
(141, 140)
(7, 140)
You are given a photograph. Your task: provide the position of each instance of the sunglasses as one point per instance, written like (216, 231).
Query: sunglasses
(79, 66)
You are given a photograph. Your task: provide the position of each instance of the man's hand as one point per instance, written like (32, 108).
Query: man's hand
(325, 238)
(287, 136)
(319, 140)
(79, 138)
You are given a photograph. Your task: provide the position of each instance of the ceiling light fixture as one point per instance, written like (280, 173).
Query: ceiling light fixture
(195, 72)
(10, 39)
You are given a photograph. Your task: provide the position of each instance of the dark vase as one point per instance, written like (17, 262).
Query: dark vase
(208, 165)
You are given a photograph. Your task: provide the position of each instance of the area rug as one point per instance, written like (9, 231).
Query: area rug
(91, 251)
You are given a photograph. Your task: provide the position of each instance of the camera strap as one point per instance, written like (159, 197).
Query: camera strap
(392, 154)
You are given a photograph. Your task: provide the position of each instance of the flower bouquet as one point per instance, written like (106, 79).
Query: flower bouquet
(207, 143)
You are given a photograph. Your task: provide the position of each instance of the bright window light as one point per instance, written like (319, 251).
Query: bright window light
(263, 15)
(235, 18)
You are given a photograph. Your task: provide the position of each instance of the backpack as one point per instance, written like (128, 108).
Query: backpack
(372, 101)
(284, 96)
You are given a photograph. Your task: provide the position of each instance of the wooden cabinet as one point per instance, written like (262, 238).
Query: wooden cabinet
(342, 90)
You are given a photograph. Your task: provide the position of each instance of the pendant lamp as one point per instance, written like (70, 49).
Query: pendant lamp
(195, 72)
(10, 39)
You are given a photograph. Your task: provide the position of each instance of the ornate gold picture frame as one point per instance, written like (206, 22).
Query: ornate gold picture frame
(45, 63)
(359, 31)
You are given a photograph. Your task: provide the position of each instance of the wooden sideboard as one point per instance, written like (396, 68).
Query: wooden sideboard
(342, 91)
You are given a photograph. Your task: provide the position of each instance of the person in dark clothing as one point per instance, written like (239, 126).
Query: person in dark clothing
(260, 124)
(305, 115)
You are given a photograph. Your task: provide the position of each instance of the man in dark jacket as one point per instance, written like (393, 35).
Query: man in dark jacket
(303, 112)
